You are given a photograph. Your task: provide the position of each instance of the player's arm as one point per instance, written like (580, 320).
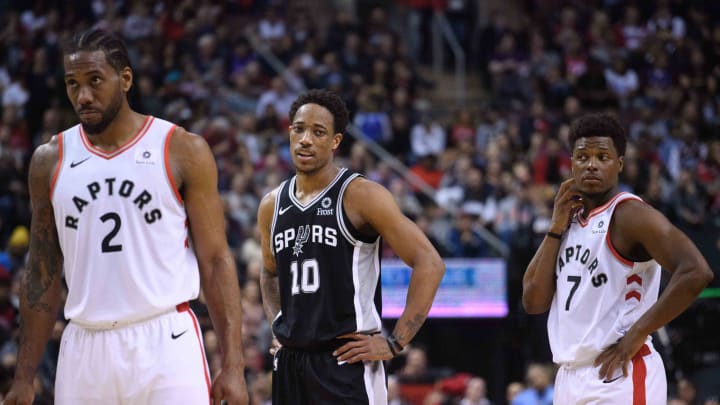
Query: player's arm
(376, 206)
(192, 157)
(539, 278)
(269, 286)
(41, 285)
(638, 229)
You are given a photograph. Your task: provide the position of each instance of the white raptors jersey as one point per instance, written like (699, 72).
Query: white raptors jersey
(599, 294)
(122, 228)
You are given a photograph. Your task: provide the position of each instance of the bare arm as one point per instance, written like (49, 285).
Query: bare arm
(269, 285)
(41, 286)
(218, 277)
(638, 230)
(539, 278)
(639, 226)
(370, 204)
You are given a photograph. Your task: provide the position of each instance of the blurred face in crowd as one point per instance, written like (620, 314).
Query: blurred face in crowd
(312, 138)
(95, 90)
(475, 390)
(596, 165)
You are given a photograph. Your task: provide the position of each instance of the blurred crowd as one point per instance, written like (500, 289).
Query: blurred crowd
(494, 163)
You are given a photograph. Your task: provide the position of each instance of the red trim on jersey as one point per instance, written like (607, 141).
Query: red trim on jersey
(597, 210)
(615, 252)
(634, 279)
(639, 375)
(633, 294)
(129, 144)
(168, 171)
(185, 307)
(58, 165)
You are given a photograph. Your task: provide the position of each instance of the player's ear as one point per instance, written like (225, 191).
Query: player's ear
(126, 79)
(621, 161)
(337, 138)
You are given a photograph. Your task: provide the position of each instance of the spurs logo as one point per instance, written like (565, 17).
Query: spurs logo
(302, 237)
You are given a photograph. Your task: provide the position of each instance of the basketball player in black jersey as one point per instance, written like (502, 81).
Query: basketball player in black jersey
(321, 234)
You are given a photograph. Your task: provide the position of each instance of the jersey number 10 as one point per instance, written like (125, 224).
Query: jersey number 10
(308, 281)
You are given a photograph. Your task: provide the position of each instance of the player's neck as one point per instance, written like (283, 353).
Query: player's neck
(123, 127)
(592, 201)
(307, 185)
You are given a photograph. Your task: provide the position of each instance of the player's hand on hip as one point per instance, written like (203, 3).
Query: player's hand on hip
(568, 201)
(617, 356)
(20, 394)
(363, 347)
(229, 388)
(274, 346)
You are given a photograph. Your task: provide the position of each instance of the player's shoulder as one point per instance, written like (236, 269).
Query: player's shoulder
(183, 138)
(361, 185)
(633, 214)
(267, 203)
(46, 155)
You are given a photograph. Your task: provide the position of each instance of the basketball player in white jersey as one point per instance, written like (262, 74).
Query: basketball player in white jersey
(598, 272)
(126, 205)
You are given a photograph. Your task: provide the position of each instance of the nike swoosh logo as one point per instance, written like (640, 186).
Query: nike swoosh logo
(73, 164)
(284, 210)
(614, 379)
(174, 336)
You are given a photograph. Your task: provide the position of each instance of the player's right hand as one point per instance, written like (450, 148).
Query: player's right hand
(568, 201)
(20, 394)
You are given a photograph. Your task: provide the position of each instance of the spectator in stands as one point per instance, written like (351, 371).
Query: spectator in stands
(540, 388)
(427, 137)
(475, 393)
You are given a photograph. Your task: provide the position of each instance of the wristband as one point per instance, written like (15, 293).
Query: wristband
(392, 349)
(392, 340)
(554, 235)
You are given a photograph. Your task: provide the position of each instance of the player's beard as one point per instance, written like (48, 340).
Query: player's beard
(106, 117)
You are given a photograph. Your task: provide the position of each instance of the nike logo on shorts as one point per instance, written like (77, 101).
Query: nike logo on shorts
(614, 379)
(174, 336)
(284, 210)
(79, 162)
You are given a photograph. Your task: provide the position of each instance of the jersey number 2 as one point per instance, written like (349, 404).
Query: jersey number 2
(106, 246)
(309, 277)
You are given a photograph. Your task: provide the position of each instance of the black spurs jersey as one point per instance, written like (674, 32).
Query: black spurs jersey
(329, 275)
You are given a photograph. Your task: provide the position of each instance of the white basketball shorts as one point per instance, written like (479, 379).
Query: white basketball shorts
(160, 361)
(645, 383)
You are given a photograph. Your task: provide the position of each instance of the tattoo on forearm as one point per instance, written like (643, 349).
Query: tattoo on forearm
(412, 326)
(45, 264)
(270, 288)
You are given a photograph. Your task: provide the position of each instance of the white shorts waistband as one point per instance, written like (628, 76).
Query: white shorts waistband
(185, 306)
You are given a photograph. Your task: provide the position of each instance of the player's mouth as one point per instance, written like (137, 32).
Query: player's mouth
(86, 113)
(591, 179)
(304, 155)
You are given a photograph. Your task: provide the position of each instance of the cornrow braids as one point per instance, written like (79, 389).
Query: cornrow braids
(110, 44)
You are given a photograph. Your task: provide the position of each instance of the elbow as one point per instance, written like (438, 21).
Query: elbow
(705, 276)
(533, 308)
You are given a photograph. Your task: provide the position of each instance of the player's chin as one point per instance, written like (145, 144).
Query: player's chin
(304, 166)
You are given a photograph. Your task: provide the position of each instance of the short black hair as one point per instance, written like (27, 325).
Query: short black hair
(93, 40)
(327, 99)
(599, 124)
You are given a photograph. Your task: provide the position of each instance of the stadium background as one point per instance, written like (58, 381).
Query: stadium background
(472, 98)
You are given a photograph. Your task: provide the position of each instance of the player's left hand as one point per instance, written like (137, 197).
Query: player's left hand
(618, 355)
(363, 347)
(229, 387)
